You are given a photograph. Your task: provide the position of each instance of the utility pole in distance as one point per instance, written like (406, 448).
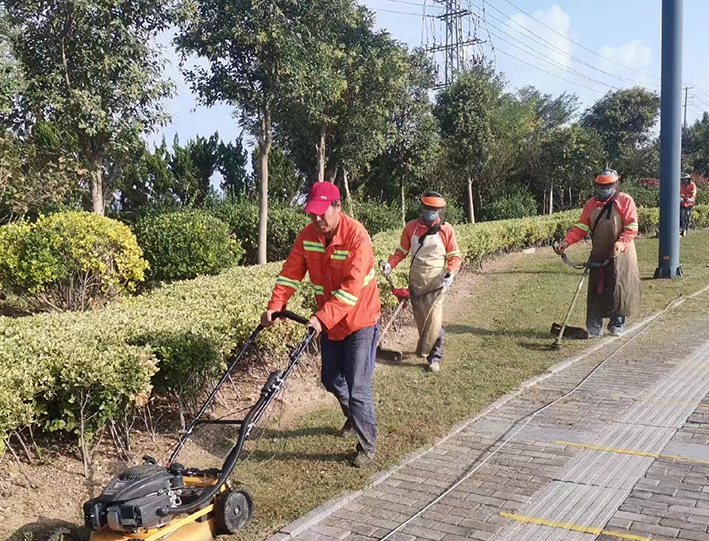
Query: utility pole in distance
(670, 139)
(686, 97)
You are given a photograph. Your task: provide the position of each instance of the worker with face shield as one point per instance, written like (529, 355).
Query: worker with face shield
(610, 219)
(435, 260)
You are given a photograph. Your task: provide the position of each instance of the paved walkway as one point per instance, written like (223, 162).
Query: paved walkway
(625, 456)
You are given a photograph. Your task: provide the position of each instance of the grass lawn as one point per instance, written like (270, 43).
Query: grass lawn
(497, 323)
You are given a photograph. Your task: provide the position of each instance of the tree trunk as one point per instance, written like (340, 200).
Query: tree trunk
(320, 155)
(471, 208)
(264, 149)
(346, 186)
(96, 174)
(551, 198)
(403, 203)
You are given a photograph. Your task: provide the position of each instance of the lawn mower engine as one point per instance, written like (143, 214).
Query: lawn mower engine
(130, 502)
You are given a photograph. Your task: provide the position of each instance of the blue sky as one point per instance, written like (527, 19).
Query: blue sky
(595, 45)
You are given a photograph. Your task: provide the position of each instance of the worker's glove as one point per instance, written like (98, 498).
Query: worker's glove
(386, 269)
(561, 247)
(617, 249)
(447, 281)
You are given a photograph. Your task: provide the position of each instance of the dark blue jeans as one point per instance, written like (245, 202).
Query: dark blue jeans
(436, 354)
(594, 325)
(347, 367)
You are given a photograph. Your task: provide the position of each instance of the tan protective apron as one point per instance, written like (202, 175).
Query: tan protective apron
(427, 269)
(613, 290)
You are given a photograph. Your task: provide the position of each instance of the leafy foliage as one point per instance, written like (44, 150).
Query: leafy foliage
(70, 261)
(89, 70)
(187, 244)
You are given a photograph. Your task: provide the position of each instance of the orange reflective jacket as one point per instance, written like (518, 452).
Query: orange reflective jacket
(628, 212)
(342, 274)
(687, 194)
(414, 230)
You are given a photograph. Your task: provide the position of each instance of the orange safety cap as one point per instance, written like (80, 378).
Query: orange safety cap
(433, 199)
(607, 177)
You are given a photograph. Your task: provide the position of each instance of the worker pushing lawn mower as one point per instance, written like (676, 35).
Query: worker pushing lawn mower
(610, 218)
(435, 260)
(336, 251)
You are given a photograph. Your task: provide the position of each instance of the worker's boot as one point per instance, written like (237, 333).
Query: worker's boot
(347, 430)
(363, 459)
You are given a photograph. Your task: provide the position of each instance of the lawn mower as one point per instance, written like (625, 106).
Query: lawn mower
(151, 502)
(559, 331)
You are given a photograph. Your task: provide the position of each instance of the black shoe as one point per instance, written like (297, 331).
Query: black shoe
(347, 431)
(363, 459)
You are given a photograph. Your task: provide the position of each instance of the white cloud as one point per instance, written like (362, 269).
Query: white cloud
(554, 17)
(634, 55)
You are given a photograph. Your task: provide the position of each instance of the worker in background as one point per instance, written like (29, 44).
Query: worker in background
(611, 220)
(688, 196)
(435, 260)
(336, 252)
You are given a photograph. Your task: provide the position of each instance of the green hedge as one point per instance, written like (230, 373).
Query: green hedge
(157, 341)
(69, 260)
(187, 244)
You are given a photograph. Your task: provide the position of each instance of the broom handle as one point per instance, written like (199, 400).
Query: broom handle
(571, 307)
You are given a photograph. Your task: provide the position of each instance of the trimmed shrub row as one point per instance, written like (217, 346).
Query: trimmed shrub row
(75, 371)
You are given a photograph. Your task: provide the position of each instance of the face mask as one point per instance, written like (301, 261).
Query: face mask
(603, 193)
(429, 216)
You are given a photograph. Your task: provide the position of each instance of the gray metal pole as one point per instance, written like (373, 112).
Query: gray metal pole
(670, 139)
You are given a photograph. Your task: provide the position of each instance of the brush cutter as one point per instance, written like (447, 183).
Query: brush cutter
(403, 295)
(151, 502)
(559, 331)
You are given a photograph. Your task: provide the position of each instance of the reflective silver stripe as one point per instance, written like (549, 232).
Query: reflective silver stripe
(283, 281)
(345, 297)
(310, 246)
(370, 276)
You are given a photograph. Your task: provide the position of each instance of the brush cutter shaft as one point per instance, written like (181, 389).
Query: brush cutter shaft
(571, 306)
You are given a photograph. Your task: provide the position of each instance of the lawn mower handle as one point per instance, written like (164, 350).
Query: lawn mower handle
(268, 392)
(287, 314)
(284, 314)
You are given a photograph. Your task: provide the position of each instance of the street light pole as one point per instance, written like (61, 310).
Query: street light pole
(670, 139)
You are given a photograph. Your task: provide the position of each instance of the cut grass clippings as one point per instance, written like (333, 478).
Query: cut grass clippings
(497, 337)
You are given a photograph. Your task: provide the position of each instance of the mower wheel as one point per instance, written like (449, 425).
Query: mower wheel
(61, 534)
(234, 510)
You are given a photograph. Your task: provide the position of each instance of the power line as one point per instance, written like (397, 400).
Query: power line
(579, 44)
(552, 62)
(548, 72)
(401, 12)
(548, 44)
(411, 4)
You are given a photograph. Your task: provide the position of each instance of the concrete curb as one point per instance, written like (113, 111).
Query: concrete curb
(331, 506)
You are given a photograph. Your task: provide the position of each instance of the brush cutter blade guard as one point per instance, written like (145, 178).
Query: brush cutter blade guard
(401, 293)
(147, 498)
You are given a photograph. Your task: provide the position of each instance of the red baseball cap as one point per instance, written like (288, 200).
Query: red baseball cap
(321, 196)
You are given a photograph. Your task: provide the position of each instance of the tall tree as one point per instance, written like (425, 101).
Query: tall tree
(567, 159)
(624, 119)
(464, 111)
(411, 142)
(231, 163)
(285, 181)
(90, 70)
(253, 53)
